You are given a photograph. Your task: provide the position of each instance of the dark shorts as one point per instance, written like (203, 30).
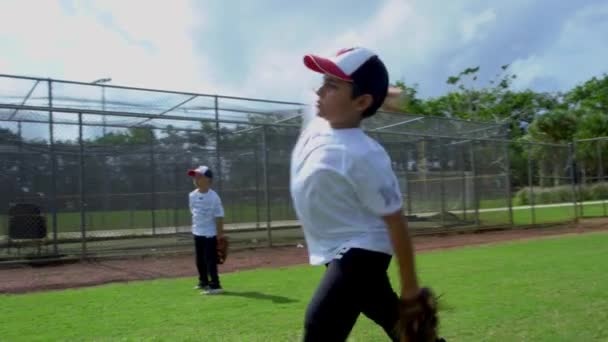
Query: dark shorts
(357, 283)
(205, 252)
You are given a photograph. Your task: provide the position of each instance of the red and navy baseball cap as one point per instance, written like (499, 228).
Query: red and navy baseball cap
(201, 170)
(360, 66)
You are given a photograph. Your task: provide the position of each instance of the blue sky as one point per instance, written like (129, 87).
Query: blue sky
(255, 48)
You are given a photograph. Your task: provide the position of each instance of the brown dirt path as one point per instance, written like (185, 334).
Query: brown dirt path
(28, 278)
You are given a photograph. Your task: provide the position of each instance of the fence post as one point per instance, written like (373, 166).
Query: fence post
(601, 171)
(83, 235)
(153, 188)
(266, 184)
(579, 184)
(408, 190)
(573, 179)
(463, 182)
(53, 190)
(256, 161)
(475, 190)
(20, 168)
(218, 159)
(508, 192)
(176, 198)
(442, 158)
(531, 184)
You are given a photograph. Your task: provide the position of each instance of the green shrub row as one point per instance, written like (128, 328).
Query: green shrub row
(561, 194)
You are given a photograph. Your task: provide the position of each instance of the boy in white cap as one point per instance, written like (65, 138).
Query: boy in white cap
(207, 226)
(349, 203)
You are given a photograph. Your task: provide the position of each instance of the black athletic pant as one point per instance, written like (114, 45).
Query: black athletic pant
(356, 283)
(206, 260)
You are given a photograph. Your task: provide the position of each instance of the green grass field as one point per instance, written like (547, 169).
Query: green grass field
(133, 219)
(541, 215)
(552, 289)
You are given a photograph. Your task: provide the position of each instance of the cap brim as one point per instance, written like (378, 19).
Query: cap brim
(192, 173)
(325, 66)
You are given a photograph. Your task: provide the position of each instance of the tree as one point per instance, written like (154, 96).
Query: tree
(405, 99)
(592, 155)
(589, 102)
(591, 95)
(555, 127)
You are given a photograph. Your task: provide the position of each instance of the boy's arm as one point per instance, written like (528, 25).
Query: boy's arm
(219, 225)
(219, 217)
(404, 251)
(382, 195)
(417, 306)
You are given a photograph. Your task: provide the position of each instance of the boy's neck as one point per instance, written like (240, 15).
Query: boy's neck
(203, 190)
(344, 126)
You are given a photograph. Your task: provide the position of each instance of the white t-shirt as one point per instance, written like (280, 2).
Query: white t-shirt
(205, 207)
(342, 183)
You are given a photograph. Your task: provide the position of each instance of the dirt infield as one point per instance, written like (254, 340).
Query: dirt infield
(27, 278)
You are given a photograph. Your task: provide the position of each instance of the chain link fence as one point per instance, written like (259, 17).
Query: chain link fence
(592, 177)
(102, 170)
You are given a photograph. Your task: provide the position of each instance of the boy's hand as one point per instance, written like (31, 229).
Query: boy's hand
(222, 249)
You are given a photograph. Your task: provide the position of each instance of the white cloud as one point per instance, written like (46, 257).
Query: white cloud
(381, 28)
(475, 27)
(147, 44)
(574, 56)
(150, 44)
(281, 74)
(402, 29)
(527, 70)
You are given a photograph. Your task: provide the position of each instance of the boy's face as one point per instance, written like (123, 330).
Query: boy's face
(201, 181)
(337, 105)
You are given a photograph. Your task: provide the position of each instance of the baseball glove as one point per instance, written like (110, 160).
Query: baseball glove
(418, 318)
(222, 249)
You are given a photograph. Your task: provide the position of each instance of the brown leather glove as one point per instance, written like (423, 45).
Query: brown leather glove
(418, 319)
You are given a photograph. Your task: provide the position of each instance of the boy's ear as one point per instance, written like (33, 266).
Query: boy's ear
(363, 102)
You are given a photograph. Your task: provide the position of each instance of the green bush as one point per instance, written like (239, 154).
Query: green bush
(522, 197)
(599, 191)
(561, 194)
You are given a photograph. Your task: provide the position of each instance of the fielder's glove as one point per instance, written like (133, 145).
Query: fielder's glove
(222, 249)
(418, 318)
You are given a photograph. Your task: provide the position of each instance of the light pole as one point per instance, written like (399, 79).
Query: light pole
(103, 100)
(106, 185)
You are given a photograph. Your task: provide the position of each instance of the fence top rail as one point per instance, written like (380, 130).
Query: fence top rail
(462, 140)
(182, 118)
(131, 115)
(591, 139)
(486, 124)
(113, 86)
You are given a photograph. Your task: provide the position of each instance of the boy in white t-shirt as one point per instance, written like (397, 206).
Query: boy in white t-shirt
(349, 203)
(207, 226)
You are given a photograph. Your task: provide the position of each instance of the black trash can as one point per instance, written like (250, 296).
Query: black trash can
(26, 222)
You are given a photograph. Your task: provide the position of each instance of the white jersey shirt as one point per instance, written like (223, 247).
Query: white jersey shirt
(205, 207)
(342, 183)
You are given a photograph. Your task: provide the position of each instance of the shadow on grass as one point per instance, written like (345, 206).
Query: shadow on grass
(262, 296)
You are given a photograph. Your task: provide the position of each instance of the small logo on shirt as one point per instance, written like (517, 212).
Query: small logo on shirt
(389, 195)
(340, 253)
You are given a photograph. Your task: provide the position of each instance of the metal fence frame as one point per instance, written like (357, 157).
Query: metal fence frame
(483, 136)
(601, 177)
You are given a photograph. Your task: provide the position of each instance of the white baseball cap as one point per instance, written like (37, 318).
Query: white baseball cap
(343, 65)
(201, 170)
(358, 65)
